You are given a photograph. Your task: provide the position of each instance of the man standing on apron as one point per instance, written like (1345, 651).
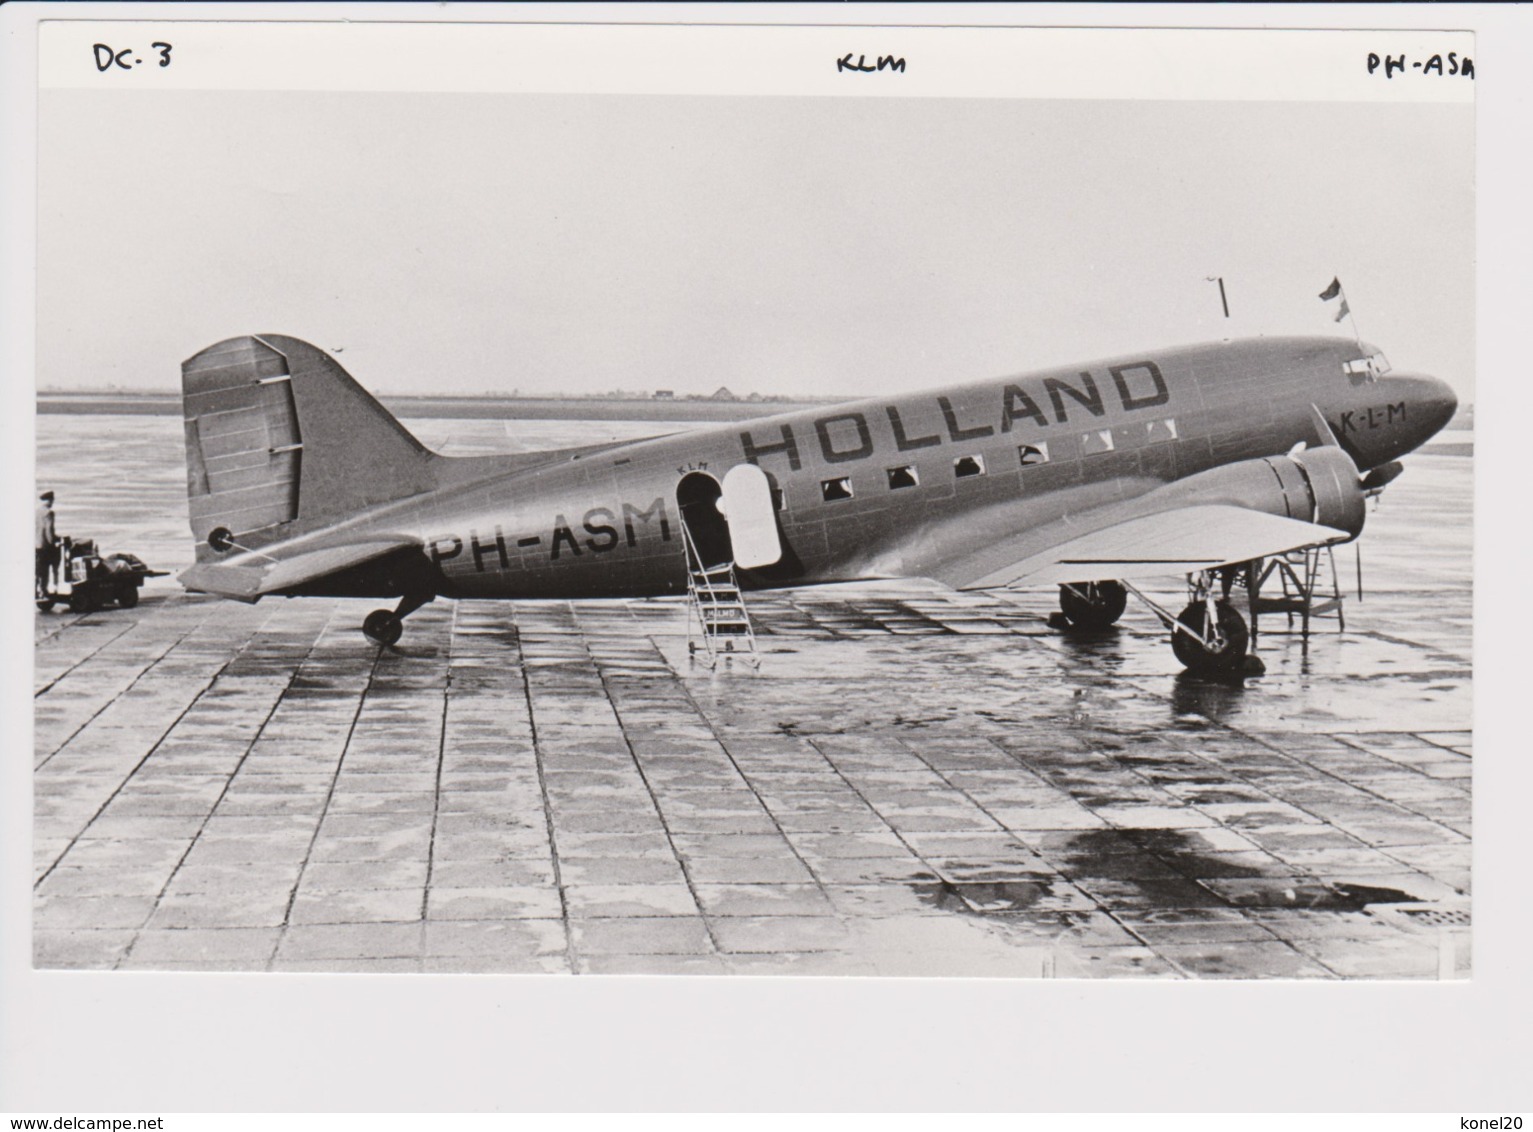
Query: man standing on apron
(47, 543)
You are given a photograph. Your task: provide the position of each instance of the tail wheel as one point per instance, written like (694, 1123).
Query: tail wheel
(1093, 605)
(383, 627)
(1226, 653)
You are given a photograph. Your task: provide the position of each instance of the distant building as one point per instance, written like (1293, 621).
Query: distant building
(665, 394)
(723, 394)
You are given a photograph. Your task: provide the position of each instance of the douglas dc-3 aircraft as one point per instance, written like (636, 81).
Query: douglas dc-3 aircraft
(1196, 461)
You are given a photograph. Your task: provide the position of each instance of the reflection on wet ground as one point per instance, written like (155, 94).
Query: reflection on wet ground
(916, 781)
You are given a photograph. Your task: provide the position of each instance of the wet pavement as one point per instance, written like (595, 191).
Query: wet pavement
(915, 781)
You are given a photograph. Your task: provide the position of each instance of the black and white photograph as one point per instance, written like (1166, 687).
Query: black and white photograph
(838, 505)
(565, 533)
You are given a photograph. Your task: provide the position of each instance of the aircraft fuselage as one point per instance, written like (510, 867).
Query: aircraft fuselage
(914, 485)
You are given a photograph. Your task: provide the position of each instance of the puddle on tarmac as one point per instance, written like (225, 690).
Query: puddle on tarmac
(1093, 642)
(983, 896)
(1328, 898)
(1180, 850)
(1216, 698)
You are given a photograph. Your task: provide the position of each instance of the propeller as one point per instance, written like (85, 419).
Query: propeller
(1328, 438)
(1376, 479)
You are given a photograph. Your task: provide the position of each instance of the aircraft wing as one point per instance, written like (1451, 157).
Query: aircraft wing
(254, 574)
(1177, 541)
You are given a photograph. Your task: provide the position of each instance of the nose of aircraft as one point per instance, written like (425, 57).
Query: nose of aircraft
(1394, 416)
(1432, 403)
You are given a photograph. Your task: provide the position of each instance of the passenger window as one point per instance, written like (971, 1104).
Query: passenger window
(1030, 454)
(906, 476)
(836, 489)
(1162, 430)
(966, 466)
(1093, 443)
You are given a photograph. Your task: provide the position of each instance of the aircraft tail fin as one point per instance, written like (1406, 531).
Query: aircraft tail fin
(280, 439)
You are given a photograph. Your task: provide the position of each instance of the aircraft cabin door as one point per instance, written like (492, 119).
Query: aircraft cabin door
(747, 506)
(730, 523)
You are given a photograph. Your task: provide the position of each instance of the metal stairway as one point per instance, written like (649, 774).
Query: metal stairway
(1305, 594)
(716, 615)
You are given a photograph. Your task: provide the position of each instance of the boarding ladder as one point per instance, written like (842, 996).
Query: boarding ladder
(716, 615)
(1305, 594)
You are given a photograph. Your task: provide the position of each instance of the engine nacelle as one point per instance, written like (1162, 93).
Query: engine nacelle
(1318, 485)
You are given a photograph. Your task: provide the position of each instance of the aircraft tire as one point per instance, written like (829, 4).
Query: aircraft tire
(127, 597)
(1195, 656)
(382, 627)
(1093, 605)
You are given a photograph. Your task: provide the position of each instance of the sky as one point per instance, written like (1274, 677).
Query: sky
(453, 243)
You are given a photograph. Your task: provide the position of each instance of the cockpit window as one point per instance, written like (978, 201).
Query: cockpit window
(1369, 368)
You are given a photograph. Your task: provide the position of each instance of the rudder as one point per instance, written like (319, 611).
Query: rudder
(280, 439)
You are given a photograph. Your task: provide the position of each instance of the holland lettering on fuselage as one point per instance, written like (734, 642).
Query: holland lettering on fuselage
(1181, 461)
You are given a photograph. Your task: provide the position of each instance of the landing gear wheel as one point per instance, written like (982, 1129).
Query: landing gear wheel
(383, 627)
(127, 597)
(1227, 656)
(1093, 605)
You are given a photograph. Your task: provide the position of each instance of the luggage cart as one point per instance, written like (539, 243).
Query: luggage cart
(93, 581)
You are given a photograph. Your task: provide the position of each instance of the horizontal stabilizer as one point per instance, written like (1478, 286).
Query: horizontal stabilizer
(243, 583)
(1174, 542)
(253, 575)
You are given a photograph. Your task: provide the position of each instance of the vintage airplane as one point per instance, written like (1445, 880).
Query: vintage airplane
(1195, 461)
